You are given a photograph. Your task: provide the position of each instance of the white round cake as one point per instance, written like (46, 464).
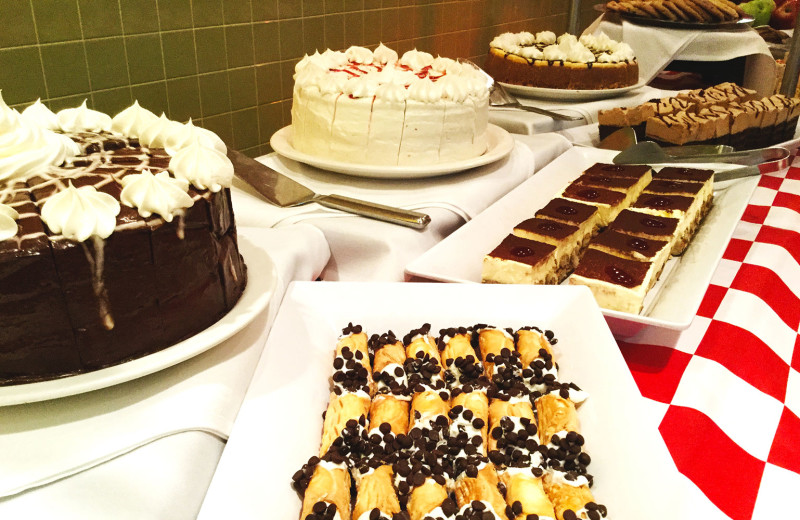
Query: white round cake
(368, 107)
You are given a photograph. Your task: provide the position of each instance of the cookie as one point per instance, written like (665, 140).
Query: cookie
(663, 11)
(706, 5)
(680, 15)
(727, 7)
(694, 14)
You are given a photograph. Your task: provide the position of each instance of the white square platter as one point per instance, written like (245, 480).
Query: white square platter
(671, 304)
(279, 425)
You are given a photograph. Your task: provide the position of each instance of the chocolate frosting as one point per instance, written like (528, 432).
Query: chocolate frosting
(522, 250)
(612, 269)
(637, 223)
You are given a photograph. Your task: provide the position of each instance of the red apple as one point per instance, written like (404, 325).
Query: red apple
(784, 15)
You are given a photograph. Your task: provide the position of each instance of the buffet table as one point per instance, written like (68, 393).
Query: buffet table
(724, 394)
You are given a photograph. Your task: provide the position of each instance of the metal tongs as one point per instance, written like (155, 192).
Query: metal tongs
(499, 97)
(648, 152)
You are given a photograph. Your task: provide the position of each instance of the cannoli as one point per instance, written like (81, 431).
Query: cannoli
(525, 494)
(352, 369)
(423, 364)
(375, 490)
(572, 499)
(462, 363)
(555, 414)
(479, 482)
(492, 342)
(428, 405)
(341, 410)
(426, 498)
(388, 409)
(499, 409)
(530, 341)
(469, 421)
(328, 486)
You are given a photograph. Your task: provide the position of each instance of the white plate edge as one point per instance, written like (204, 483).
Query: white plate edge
(503, 145)
(256, 296)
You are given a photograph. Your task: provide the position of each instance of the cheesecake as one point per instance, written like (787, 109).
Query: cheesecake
(634, 248)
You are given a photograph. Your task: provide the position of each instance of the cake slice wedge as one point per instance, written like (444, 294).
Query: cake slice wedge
(609, 203)
(519, 260)
(688, 210)
(585, 216)
(645, 225)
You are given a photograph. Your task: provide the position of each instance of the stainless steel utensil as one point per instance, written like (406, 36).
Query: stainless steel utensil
(499, 97)
(285, 192)
(736, 173)
(649, 152)
(621, 139)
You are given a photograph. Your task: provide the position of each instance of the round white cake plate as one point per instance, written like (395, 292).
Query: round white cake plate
(261, 282)
(557, 94)
(499, 144)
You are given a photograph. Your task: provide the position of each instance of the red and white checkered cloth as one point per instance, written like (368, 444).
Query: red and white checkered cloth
(725, 393)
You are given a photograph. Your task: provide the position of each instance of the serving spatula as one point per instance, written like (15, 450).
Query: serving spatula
(285, 192)
(648, 152)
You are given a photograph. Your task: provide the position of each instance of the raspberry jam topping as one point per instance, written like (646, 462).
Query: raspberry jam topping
(651, 223)
(521, 251)
(549, 226)
(638, 244)
(619, 276)
(659, 202)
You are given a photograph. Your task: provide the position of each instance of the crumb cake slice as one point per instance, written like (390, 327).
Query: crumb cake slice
(609, 203)
(519, 260)
(634, 248)
(688, 210)
(568, 240)
(617, 283)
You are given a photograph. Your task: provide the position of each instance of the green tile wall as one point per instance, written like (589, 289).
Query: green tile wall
(226, 64)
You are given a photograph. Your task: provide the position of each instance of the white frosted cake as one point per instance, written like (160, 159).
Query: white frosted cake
(377, 108)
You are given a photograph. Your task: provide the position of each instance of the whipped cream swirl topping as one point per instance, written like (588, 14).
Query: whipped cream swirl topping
(155, 134)
(187, 134)
(158, 194)
(567, 47)
(8, 222)
(384, 54)
(39, 115)
(80, 213)
(83, 119)
(132, 121)
(416, 59)
(27, 149)
(206, 168)
(357, 54)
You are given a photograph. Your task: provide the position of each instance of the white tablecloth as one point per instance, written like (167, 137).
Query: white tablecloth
(657, 47)
(364, 249)
(146, 448)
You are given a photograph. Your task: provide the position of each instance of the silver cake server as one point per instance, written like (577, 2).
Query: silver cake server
(499, 97)
(285, 192)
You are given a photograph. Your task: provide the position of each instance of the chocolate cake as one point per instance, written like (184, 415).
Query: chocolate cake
(69, 306)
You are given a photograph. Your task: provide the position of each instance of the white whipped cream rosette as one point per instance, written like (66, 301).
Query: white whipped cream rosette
(155, 134)
(80, 213)
(83, 119)
(384, 54)
(189, 133)
(8, 222)
(27, 149)
(415, 59)
(39, 115)
(132, 121)
(206, 168)
(158, 194)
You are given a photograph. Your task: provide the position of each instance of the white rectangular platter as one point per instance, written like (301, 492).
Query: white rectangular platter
(280, 423)
(672, 304)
